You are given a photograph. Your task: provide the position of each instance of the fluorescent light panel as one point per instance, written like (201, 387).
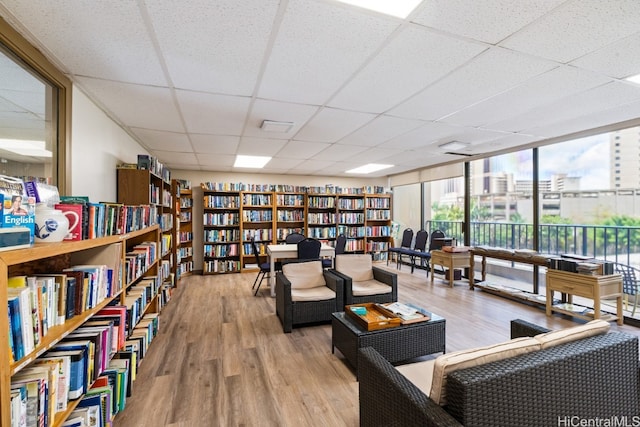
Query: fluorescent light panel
(397, 8)
(254, 162)
(25, 147)
(634, 79)
(369, 168)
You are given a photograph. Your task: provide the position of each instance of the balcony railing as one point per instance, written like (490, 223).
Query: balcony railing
(612, 243)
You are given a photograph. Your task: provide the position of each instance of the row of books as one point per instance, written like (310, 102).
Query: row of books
(155, 166)
(38, 303)
(221, 202)
(580, 264)
(139, 259)
(327, 189)
(226, 218)
(221, 251)
(222, 236)
(94, 365)
(221, 266)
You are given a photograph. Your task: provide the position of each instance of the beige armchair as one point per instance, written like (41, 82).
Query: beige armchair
(363, 282)
(306, 293)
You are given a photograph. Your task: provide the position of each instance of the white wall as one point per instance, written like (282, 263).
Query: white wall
(98, 145)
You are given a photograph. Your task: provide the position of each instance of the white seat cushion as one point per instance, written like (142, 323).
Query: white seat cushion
(454, 361)
(319, 293)
(369, 287)
(303, 275)
(553, 338)
(357, 266)
(419, 373)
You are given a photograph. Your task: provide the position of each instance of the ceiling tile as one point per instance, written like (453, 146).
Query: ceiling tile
(135, 105)
(214, 144)
(106, 40)
(210, 51)
(379, 130)
(277, 111)
(339, 152)
(283, 164)
(577, 28)
(482, 20)
(373, 155)
(412, 60)
(543, 89)
(301, 149)
(172, 158)
(165, 141)
(319, 45)
(309, 166)
(216, 160)
(260, 146)
(620, 59)
(217, 114)
(330, 125)
(426, 135)
(492, 72)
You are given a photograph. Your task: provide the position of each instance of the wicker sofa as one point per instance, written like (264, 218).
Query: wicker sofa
(589, 378)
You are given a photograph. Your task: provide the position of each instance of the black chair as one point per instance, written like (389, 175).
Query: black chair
(265, 267)
(341, 243)
(437, 242)
(309, 249)
(419, 250)
(629, 283)
(405, 245)
(294, 238)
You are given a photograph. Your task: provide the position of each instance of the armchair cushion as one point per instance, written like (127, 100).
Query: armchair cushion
(304, 275)
(450, 362)
(594, 327)
(369, 287)
(419, 373)
(357, 266)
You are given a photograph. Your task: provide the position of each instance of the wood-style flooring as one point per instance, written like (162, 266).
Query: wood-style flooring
(221, 358)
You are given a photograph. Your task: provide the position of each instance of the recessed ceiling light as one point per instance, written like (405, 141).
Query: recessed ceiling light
(634, 79)
(255, 162)
(397, 8)
(371, 167)
(454, 145)
(25, 147)
(275, 126)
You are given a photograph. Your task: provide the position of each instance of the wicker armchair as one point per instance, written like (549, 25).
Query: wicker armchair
(306, 293)
(363, 282)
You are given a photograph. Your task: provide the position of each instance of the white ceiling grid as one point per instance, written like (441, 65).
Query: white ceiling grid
(193, 80)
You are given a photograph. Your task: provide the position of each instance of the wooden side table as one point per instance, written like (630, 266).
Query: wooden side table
(452, 260)
(593, 287)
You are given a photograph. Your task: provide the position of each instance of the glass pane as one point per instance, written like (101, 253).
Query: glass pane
(406, 210)
(28, 132)
(444, 207)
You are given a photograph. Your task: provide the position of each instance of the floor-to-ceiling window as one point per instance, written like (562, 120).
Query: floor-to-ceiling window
(407, 209)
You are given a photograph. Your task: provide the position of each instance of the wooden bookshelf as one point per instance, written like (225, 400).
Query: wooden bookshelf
(289, 214)
(221, 243)
(377, 225)
(46, 258)
(351, 221)
(257, 217)
(184, 246)
(321, 216)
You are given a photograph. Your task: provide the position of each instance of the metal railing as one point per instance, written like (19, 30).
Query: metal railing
(612, 243)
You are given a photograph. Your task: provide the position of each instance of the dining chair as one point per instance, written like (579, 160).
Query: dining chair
(405, 245)
(292, 238)
(265, 267)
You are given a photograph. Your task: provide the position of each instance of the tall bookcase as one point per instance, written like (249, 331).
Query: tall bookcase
(258, 223)
(321, 216)
(377, 225)
(146, 187)
(221, 223)
(351, 219)
(290, 213)
(53, 258)
(183, 226)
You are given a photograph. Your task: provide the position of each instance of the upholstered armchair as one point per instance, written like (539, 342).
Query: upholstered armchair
(363, 282)
(306, 293)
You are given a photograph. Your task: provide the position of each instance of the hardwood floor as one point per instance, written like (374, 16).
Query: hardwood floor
(221, 358)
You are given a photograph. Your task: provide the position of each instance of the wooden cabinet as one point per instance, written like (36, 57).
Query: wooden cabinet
(595, 288)
(221, 224)
(53, 258)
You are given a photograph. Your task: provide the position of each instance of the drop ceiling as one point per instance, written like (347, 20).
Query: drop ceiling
(192, 81)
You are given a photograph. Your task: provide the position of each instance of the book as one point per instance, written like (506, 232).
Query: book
(76, 373)
(408, 313)
(75, 215)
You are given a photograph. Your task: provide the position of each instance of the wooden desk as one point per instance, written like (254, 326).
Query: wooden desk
(593, 287)
(452, 260)
(289, 251)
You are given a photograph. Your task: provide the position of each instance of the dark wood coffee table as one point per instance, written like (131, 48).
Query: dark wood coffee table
(395, 344)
